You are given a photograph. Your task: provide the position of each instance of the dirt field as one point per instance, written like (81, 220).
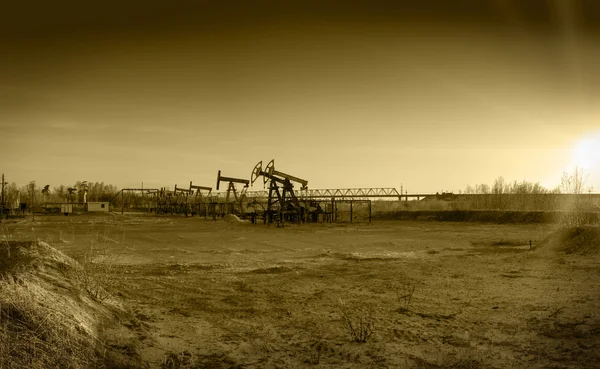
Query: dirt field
(422, 294)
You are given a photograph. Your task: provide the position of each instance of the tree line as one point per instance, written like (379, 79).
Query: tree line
(34, 194)
(527, 195)
(570, 183)
(500, 186)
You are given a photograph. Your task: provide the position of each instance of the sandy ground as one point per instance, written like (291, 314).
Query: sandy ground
(430, 294)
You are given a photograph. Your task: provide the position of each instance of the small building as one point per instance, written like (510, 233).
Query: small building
(66, 208)
(97, 206)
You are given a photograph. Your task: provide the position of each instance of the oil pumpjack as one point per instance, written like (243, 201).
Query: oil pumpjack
(282, 203)
(237, 200)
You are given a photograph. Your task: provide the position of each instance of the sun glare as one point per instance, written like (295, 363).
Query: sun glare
(586, 153)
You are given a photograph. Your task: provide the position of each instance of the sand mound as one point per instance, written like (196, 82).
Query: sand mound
(47, 316)
(577, 240)
(234, 219)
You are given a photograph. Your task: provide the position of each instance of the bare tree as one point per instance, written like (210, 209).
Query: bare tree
(498, 186)
(12, 195)
(31, 190)
(573, 183)
(574, 207)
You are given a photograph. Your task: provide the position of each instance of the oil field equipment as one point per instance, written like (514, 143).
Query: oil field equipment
(201, 204)
(182, 200)
(165, 202)
(229, 207)
(282, 203)
(173, 202)
(140, 198)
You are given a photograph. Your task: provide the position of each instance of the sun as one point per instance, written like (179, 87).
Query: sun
(586, 157)
(586, 153)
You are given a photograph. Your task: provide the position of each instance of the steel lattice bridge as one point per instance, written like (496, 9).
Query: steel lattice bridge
(337, 193)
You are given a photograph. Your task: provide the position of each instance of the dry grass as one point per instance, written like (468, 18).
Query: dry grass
(574, 240)
(36, 336)
(45, 320)
(99, 274)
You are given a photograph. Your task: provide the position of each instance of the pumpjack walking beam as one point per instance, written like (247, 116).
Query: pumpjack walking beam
(194, 187)
(270, 172)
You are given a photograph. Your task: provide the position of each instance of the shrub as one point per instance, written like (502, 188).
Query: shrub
(359, 321)
(404, 294)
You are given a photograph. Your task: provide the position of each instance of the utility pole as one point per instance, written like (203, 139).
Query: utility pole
(2, 202)
(32, 185)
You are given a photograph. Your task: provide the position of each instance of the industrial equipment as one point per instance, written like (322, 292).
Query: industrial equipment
(181, 197)
(282, 203)
(165, 202)
(200, 203)
(147, 198)
(229, 206)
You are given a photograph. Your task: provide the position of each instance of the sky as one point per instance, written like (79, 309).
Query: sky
(427, 95)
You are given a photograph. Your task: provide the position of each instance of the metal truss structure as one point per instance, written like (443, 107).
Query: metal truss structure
(339, 193)
(349, 193)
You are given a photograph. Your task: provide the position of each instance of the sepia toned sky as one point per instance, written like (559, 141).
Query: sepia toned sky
(431, 95)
